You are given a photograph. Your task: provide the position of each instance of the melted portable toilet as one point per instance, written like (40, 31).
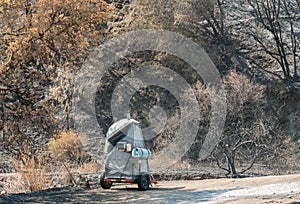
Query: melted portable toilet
(126, 156)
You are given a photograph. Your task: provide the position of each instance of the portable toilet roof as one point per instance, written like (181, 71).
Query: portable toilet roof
(126, 129)
(119, 125)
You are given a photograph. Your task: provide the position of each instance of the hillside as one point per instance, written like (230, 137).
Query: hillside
(216, 88)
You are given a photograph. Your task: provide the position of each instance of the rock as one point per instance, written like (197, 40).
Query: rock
(3, 193)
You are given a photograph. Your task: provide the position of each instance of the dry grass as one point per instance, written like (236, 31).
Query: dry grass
(12, 183)
(33, 172)
(91, 167)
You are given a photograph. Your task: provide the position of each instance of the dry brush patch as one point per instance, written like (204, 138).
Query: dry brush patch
(66, 149)
(33, 171)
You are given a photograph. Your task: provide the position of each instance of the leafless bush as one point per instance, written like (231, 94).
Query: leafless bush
(239, 148)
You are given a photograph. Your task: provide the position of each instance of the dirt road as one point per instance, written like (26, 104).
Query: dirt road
(271, 189)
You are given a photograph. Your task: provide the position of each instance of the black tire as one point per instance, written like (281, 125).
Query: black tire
(103, 184)
(143, 182)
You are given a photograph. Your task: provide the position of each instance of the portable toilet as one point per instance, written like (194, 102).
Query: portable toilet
(127, 157)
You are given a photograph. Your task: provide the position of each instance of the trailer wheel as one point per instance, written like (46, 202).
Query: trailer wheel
(143, 182)
(103, 184)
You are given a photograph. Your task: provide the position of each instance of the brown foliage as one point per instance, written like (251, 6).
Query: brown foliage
(37, 39)
(49, 32)
(65, 147)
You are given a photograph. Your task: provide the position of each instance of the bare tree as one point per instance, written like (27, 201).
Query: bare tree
(276, 30)
(213, 16)
(213, 29)
(240, 153)
(239, 148)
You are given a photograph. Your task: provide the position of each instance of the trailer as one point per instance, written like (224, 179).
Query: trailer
(127, 157)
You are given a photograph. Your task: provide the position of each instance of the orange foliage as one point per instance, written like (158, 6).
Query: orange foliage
(50, 32)
(37, 38)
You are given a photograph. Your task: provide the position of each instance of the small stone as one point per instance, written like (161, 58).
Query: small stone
(3, 192)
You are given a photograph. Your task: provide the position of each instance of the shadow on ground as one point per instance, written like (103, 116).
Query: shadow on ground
(119, 194)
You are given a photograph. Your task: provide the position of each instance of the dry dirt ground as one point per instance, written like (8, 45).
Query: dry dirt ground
(270, 189)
